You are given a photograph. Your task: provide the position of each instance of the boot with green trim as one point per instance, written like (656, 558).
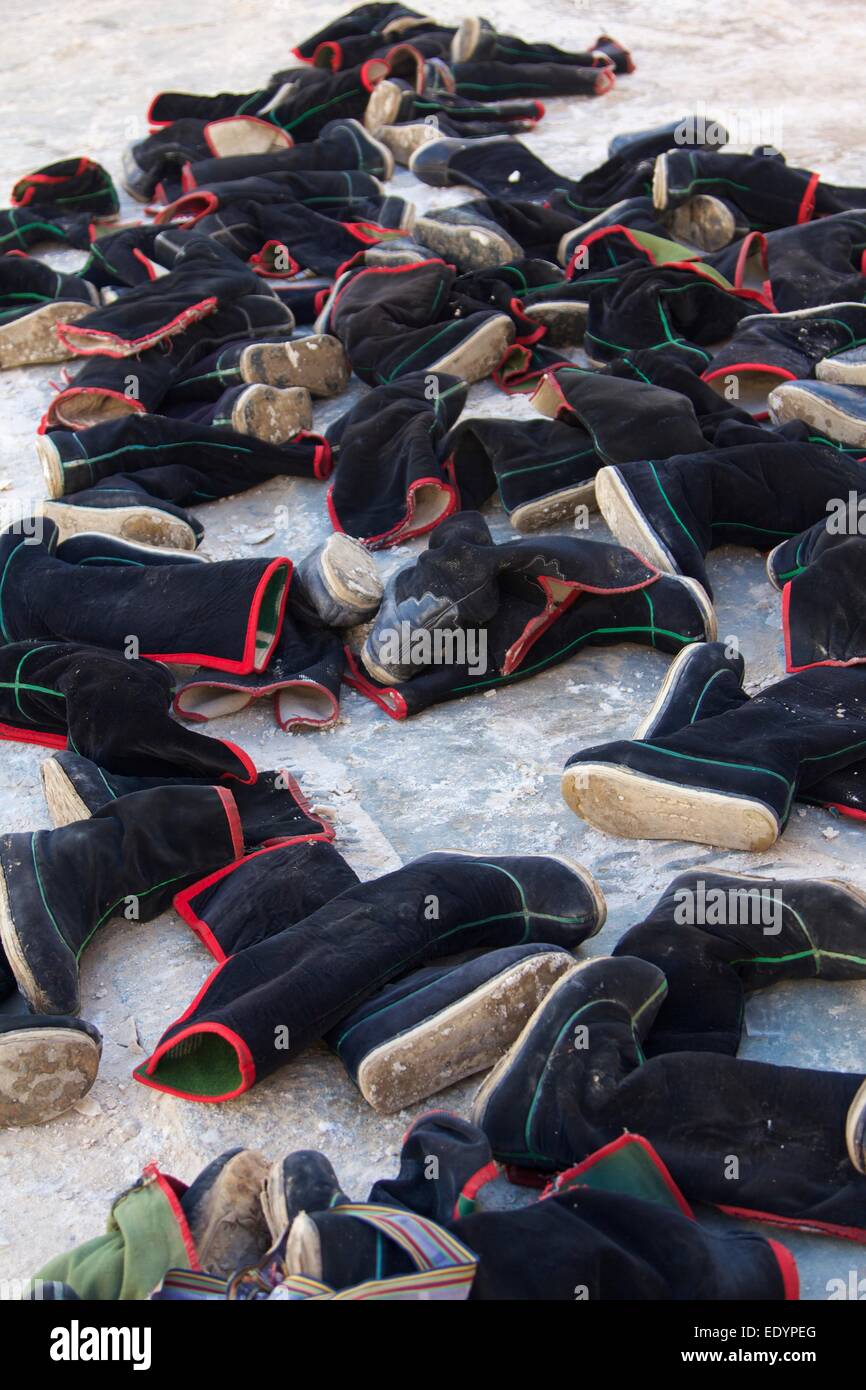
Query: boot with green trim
(675, 510)
(539, 1104)
(739, 933)
(729, 780)
(58, 887)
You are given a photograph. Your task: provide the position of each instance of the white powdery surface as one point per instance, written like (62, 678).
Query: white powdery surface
(481, 773)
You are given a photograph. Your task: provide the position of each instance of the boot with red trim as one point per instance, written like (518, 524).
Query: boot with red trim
(769, 349)
(676, 510)
(305, 979)
(108, 708)
(392, 479)
(396, 320)
(767, 191)
(470, 615)
(227, 613)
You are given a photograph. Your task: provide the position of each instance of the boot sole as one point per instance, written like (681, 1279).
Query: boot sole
(229, 1228)
(33, 339)
(479, 354)
(565, 321)
(842, 373)
(660, 703)
(630, 804)
(44, 1071)
(383, 107)
(559, 506)
(628, 523)
(144, 525)
(660, 184)
(39, 1001)
(790, 402)
(63, 801)
(404, 140)
(512, 1056)
(350, 574)
(768, 566)
(465, 40)
(470, 247)
(855, 1130)
(579, 870)
(704, 222)
(52, 469)
(468, 1036)
(318, 363)
(271, 413)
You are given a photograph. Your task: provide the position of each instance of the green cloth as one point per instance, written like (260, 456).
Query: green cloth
(144, 1239)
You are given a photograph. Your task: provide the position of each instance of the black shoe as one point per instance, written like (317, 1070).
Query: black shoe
(46, 1065)
(696, 132)
(302, 1181)
(728, 780)
(441, 1024)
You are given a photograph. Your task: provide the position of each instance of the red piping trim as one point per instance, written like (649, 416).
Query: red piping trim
(844, 810)
(246, 1064)
(806, 209)
(10, 734)
(230, 806)
(129, 346)
(470, 1189)
(245, 759)
(168, 1187)
(246, 665)
(622, 1142)
(380, 694)
(53, 416)
(790, 1273)
(799, 1223)
(180, 209)
(182, 902)
(404, 530)
(710, 375)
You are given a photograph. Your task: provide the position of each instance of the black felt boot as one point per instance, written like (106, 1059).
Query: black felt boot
(396, 320)
(392, 479)
(437, 905)
(729, 780)
(577, 1077)
(676, 510)
(226, 614)
(438, 1025)
(107, 708)
(719, 936)
(59, 886)
(33, 299)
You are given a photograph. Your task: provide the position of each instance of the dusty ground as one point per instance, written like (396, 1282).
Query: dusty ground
(482, 773)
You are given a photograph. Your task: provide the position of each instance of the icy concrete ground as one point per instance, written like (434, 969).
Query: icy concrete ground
(482, 773)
